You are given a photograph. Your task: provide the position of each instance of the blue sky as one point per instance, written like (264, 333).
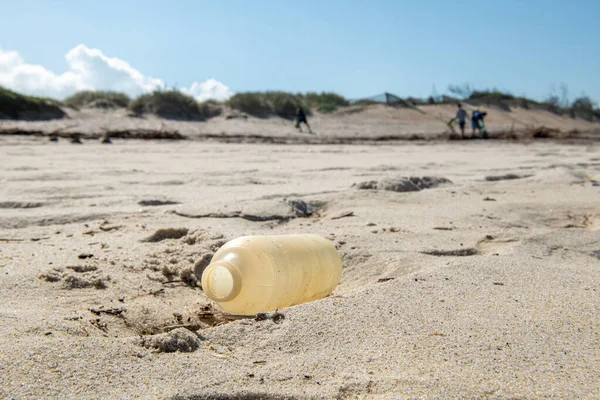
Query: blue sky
(356, 48)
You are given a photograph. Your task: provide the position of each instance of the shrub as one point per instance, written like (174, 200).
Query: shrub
(493, 97)
(324, 102)
(210, 108)
(552, 104)
(284, 104)
(490, 95)
(583, 107)
(326, 108)
(250, 102)
(169, 104)
(17, 106)
(313, 99)
(445, 99)
(266, 104)
(100, 99)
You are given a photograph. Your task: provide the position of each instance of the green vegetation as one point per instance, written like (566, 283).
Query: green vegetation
(169, 104)
(491, 97)
(324, 102)
(494, 94)
(266, 104)
(494, 97)
(17, 106)
(211, 108)
(100, 99)
(173, 104)
(583, 107)
(438, 99)
(326, 108)
(250, 102)
(283, 104)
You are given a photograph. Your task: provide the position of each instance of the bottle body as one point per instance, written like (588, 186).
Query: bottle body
(254, 274)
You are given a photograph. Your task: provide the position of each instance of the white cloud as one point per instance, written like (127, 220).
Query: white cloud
(90, 69)
(209, 89)
(101, 72)
(34, 79)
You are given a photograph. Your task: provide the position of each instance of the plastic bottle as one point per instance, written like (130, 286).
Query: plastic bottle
(253, 274)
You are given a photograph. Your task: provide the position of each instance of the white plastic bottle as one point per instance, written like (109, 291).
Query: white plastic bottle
(253, 274)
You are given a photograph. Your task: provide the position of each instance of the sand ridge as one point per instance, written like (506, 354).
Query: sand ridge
(354, 124)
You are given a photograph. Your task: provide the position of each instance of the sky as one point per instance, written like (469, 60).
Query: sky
(357, 48)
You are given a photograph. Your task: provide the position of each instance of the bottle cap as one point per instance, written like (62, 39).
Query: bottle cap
(221, 281)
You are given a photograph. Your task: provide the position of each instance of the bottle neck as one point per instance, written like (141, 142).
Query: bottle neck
(221, 281)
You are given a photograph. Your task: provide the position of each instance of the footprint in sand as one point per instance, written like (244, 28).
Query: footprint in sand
(491, 246)
(488, 246)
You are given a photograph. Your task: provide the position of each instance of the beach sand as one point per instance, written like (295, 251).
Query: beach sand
(483, 286)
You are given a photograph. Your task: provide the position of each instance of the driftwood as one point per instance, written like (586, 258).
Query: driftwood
(528, 134)
(109, 311)
(143, 134)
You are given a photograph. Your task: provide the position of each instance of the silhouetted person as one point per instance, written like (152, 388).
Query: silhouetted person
(461, 117)
(477, 123)
(301, 117)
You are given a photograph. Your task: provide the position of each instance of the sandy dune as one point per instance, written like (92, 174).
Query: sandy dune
(353, 123)
(485, 286)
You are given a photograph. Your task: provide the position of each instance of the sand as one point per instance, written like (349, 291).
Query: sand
(372, 123)
(482, 286)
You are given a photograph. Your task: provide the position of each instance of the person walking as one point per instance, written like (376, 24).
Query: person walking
(301, 117)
